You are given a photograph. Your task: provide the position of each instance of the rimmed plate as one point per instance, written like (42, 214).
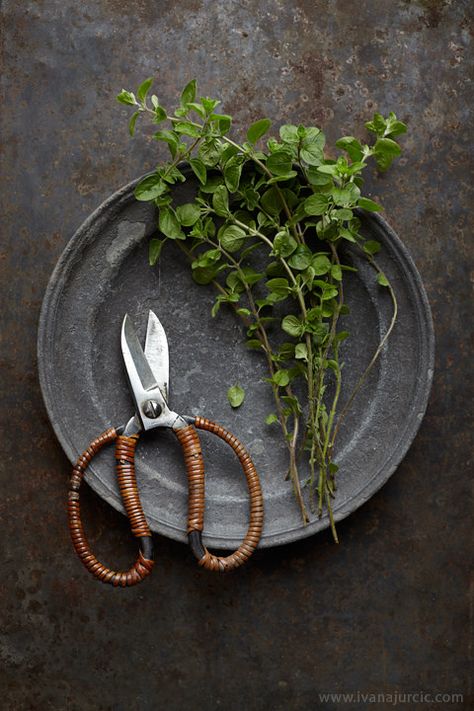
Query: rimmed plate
(103, 273)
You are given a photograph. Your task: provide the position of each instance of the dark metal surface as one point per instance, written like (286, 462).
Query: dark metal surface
(387, 610)
(104, 268)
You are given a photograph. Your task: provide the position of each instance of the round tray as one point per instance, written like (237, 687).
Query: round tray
(103, 273)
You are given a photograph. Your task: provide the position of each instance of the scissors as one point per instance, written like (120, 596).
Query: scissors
(148, 377)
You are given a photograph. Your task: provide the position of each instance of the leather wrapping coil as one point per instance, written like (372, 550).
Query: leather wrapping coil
(124, 453)
(189, 439)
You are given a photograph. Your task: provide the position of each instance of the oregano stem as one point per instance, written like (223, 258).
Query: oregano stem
(377, 353)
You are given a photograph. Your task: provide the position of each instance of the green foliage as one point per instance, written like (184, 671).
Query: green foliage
(232, 238)
(126, 97)
(150, 188)
(154, 250)
(258, 129)
(236, 395)
(288, 203)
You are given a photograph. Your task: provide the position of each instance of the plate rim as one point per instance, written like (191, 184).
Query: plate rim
(426, 338)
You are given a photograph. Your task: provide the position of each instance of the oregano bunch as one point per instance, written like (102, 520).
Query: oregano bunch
(267, 228)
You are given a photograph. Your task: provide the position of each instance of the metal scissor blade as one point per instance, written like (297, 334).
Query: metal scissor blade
(156, 352)
(139, 372)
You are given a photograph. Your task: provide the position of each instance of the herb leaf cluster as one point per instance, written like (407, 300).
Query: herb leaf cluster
(288, 204)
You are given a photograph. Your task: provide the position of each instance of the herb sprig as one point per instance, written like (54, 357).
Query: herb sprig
(289, 206)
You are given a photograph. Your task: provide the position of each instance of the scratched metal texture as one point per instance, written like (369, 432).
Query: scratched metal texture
(388, 609)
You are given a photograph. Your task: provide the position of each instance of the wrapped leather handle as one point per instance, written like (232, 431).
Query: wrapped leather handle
(194, 462)
(125, 456)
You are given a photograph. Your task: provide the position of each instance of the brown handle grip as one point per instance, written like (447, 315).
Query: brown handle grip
(194, 462)
(125, 455)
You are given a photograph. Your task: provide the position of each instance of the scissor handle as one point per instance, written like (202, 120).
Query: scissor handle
(125, 456)
(191, 445)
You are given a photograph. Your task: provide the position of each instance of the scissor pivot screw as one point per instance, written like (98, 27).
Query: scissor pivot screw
(151, 409)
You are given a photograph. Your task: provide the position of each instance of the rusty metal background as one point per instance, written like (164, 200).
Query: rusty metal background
(387, 610)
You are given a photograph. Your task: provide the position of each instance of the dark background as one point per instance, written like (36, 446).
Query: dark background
(387, 610)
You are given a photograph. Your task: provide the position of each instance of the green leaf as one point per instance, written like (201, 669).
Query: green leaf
(347, 195)
(188, 214)
(132, 122)
(245, 217)
(189, 93)
(198, 108)
(154, 250)
(206, 259)
(210, 151)
(328, 168)
(301, 258)
(232, 238)
(347, 234)
(143, 89)
(204, 275)
(186, 128)
(160, 114)
(126, 97)
(316, 204)
(290, 400)
(167, 136)
(316, 178)
(312, 145)
(329, 291)
(236, 395)
(394, 127)
(232, 173)
(289, 134)
(283, 178)
(369, 205)
(209, 104)
(320, 264)
(212, 184)
(150, 188)
(377, 125)
(271, 202)
(336, 272)
(250, 276)
(352, 147)
(258, 129)
(169, 225)
(287, 351)
(343, 214)
(199, 169)
(284, 244)
(372, 246)
(301, 351)
(281, 378)
(279, 163)
(253, 344)
(278, 286)
(385, 150)
(220, 201)
(223, 121)
(216, 307)
(171, 174)
(270, 419)
(292, 325)
(382, 279)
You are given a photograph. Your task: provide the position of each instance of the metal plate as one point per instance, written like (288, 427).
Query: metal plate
(103, 273)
